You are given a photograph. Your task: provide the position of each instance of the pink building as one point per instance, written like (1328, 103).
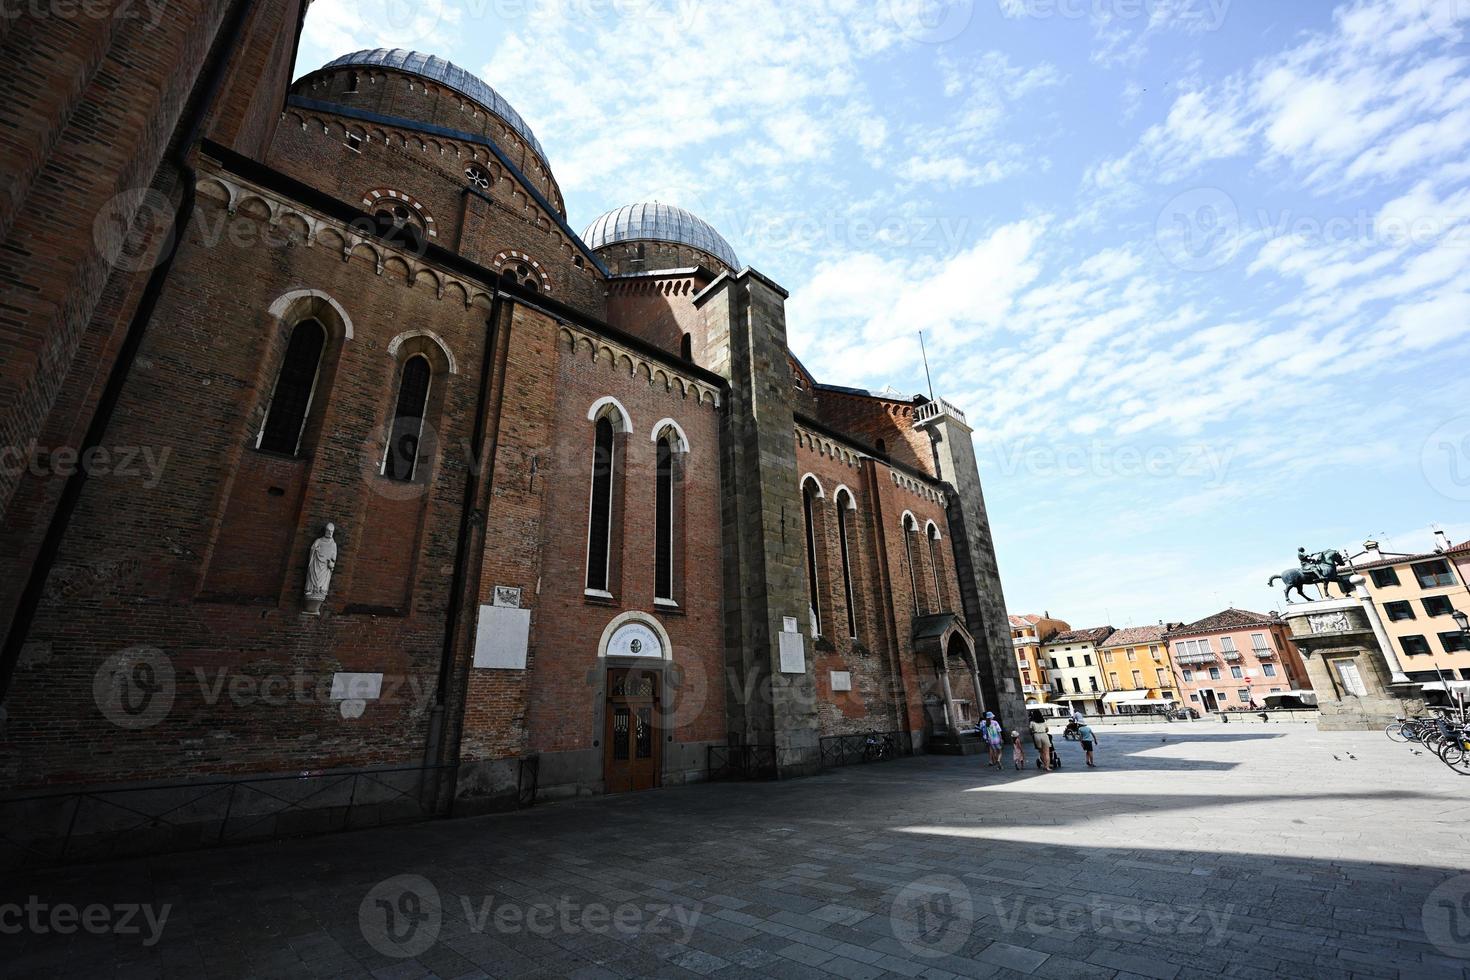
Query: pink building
(1230, 661)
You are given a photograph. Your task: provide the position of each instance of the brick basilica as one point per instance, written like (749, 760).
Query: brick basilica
(436, 480)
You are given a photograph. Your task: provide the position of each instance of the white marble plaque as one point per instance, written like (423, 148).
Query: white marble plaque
(502, 636)
(507, 597)
(356, 687)
(788, 624)
(793, 653)
(1331, 622)
(842, 680)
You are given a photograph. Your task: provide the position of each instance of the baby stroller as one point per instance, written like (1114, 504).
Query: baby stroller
(1056, 758)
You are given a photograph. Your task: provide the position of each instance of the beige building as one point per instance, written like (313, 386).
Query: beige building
(1074, 668)
(1416, 597)
(1028, 633)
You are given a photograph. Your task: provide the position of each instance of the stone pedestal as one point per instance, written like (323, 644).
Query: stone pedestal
(1353, 678)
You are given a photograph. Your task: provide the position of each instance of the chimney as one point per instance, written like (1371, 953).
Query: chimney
(1373, 554)
(1441, 541)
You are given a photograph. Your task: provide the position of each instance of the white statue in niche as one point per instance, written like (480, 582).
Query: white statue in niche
(319, 568)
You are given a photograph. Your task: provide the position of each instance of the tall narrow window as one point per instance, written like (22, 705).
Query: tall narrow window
(401, 459)
(808, 506)
(686, 347)
(844, 502)
(933, 535)
(291, 398)
(599, 531)
(663, 515)
(908, 553)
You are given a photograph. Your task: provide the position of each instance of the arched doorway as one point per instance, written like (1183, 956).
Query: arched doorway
(635, 653)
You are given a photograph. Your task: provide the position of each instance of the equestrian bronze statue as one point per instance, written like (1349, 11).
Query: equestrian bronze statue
(1318, 568)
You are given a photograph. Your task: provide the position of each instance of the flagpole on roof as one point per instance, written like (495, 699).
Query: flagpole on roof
(925, 354)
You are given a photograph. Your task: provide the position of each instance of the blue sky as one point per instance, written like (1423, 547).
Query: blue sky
(1197, 269)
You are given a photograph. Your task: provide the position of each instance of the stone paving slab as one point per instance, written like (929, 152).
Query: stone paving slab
(1195, 850)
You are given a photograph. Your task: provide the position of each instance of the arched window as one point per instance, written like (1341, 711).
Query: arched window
(908, 553)
(401, 458)
(844, 504)
(808, 506)
(599, 531)
(663, 517)
(932, 533)
(400, 226)
(291, 398)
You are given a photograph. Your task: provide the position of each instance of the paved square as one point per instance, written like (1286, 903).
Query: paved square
(1196, 850)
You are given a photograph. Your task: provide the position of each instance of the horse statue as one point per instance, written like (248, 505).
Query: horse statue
(1319, 569)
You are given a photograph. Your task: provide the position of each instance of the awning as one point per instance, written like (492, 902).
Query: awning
(1145, 701)
(1307, 697)
(1113, 697)
(1457, 687)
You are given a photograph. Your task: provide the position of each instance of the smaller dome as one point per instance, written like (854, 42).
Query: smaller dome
(652, 221)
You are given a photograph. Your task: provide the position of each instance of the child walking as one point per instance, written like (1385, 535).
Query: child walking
(1088, 739)
(1018, 754)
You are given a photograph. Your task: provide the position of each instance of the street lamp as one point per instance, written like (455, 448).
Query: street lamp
(1461, 620)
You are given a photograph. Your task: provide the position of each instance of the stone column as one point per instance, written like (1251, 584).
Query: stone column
(1395, 671)
(763, 536)
(949, 706)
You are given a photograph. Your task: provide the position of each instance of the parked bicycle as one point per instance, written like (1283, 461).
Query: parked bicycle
(1448, 741)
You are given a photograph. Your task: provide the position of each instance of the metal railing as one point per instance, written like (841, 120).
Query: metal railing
(98, 824)
(847, 750)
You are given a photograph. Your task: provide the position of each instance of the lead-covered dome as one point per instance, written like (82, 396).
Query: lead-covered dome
(652, 221)
(446, 73)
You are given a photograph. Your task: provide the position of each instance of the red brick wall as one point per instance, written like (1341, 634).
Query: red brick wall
(870, 419)
(886, 673)
(658, 310)
(313, 148)
(143, 552)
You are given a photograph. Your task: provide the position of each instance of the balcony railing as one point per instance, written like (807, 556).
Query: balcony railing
(1194, 658)
(1263, 653)
(1230, 654)
(936, 408)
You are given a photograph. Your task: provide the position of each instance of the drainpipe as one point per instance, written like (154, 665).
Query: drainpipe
(30, 599)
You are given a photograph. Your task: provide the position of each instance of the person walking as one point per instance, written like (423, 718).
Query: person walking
(1088, 739)
(990, 731)
(1018, 753)
(1041, 738)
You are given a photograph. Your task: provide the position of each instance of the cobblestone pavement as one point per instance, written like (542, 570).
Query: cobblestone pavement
(1195, 850)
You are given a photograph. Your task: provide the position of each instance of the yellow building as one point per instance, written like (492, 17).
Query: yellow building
(1137, 671)
(1028, 633)
(1417, 597)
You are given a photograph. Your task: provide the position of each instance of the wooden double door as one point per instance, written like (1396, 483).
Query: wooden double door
(632, 754)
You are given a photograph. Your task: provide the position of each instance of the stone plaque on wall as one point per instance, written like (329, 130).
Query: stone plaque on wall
(502, 637)
(842, 680)
(793, 654)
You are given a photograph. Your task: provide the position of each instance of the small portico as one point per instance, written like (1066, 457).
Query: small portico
(942, 637)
